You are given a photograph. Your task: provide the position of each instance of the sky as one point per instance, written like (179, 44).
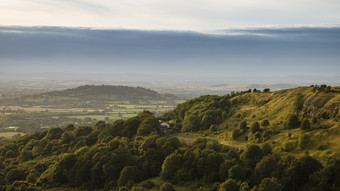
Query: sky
(202, 15)
(217, 40)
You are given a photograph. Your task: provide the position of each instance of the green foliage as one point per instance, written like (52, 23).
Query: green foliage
(305, 125)
(267, 167)
(244, 187)
(303, 141)
(224, 169)
(148, 126)
(298, 103)
(299, 171)
(200, 113)
(167, 187)
(54, 133)
(127, 175)
(293, 121)
(229, 185)
(237, 172)
(270, 184)
(243, 126)
(252, 154)
(236, 133)
(82, 131)
(255, 127)
(265, 123)
(266, 149)
(289, 146)
(15, 174)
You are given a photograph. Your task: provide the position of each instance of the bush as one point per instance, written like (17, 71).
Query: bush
(244, 187)
(255, 127)
(235, 134)
(293, 122)
(265, 123)
(289, 146)
(303, 141)
(237, 172)
(298, 103)
(15, 174)
(266, 149)
(305, 125)
(167, 187)
(270, 184)
(127, 175)
(243, 126)
(229, 185)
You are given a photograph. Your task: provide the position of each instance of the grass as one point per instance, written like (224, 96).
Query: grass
(9, 135)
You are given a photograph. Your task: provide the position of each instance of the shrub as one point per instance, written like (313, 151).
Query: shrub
(298, 103)
(243, 126)
(229, 185)
(255, 127)
(266, 149)
(235, 134)
(237, 172)
(270, 184)
(265, 123)
(167, 187)
(289, 146)
(303, 141)
(305, 125)
(127, 175)
(15, 174)
(293, 122)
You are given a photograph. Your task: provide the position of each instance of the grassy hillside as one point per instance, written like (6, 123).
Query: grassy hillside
(317, 105)
(268, 141)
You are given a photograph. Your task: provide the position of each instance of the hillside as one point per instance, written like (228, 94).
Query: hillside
(88, 96)
(285, 140)
(237, 121)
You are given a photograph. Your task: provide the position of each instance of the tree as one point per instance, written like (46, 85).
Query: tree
(170, 166)
(298, 103)
(148, 126)
(266, 149)
(293, 121)
(305, 125)
(15, 174)
(265, 123)
(237, 172)
(243, 126)
(229, 185)
(299, 171)
(127, 175)
(255, 127)
(270, 184)
(252, 154)
(167, 187)
(266, 90)
(267, 167)
(303, 141)
(244, 187)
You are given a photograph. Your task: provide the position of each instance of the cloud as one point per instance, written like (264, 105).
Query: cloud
(233, 52)
(173, 15)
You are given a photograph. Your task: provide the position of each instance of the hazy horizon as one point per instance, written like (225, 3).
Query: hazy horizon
(303, 54)
(243, 41)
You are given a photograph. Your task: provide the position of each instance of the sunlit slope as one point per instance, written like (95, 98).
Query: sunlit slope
(316, 109)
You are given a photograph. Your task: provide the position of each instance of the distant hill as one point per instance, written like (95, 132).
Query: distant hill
(89, 96)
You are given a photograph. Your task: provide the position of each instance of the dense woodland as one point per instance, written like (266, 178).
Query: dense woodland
(268, 141)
